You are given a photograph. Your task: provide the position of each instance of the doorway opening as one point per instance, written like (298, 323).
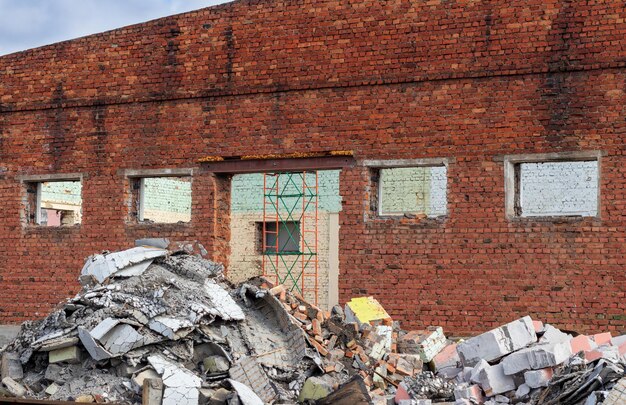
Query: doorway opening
(285, 227)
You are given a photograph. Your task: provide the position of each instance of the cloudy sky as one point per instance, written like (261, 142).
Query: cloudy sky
(27, 24)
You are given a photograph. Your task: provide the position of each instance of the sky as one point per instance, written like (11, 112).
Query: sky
(26, 24)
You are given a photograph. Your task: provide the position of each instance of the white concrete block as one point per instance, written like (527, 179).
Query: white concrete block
(618, 340)
(536, 357)
(10, 366)
(498, 342)
(610, 353)
(67, 355)
(476, 371)
(553, 335)
(493, 381)
(447, 362)
(14, 387)
(464, 376)
(522, 391)
(52, 389)
(471, 392)
(538, 378)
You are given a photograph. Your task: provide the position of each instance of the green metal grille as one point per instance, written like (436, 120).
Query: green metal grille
(291, 198)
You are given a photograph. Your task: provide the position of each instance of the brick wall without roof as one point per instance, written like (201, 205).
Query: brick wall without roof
(468, 80)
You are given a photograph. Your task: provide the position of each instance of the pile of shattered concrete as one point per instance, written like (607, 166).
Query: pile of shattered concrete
(160, 324)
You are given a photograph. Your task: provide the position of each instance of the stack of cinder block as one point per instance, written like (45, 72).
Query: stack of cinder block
(516, 361)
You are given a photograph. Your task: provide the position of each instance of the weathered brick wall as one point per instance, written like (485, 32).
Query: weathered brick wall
(464, 80)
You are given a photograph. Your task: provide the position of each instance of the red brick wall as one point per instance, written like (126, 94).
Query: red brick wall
(464, 80)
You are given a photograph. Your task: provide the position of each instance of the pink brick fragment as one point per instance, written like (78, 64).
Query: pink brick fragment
(602, 338)
(580, 343)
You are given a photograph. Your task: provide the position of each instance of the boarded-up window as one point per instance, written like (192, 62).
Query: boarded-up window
(165, 199)
(565, 188)
(413, 190)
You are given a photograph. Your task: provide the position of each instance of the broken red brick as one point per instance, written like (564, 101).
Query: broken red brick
(317, 327)
(277, 290)
(403, 367)
(363, 357)
(300, 316)
(319, 347)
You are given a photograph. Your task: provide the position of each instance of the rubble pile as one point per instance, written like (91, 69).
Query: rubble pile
(166, 326)
(158, 326)
(527, 362)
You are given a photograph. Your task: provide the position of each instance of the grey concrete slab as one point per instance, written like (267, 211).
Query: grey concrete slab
(7, 334)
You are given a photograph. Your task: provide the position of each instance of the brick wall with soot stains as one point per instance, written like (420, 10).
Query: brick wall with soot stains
(468, 81)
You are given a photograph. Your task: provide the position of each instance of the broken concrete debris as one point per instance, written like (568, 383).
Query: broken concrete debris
(245, 394)
(167, 327)
(498, 343)
(427, 345)
(14, 387)
(181, 385)
(10, 366)
(66, 355)
(131, 262)
(152, 391)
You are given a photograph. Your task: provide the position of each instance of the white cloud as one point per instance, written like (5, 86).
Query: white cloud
(27, 24)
